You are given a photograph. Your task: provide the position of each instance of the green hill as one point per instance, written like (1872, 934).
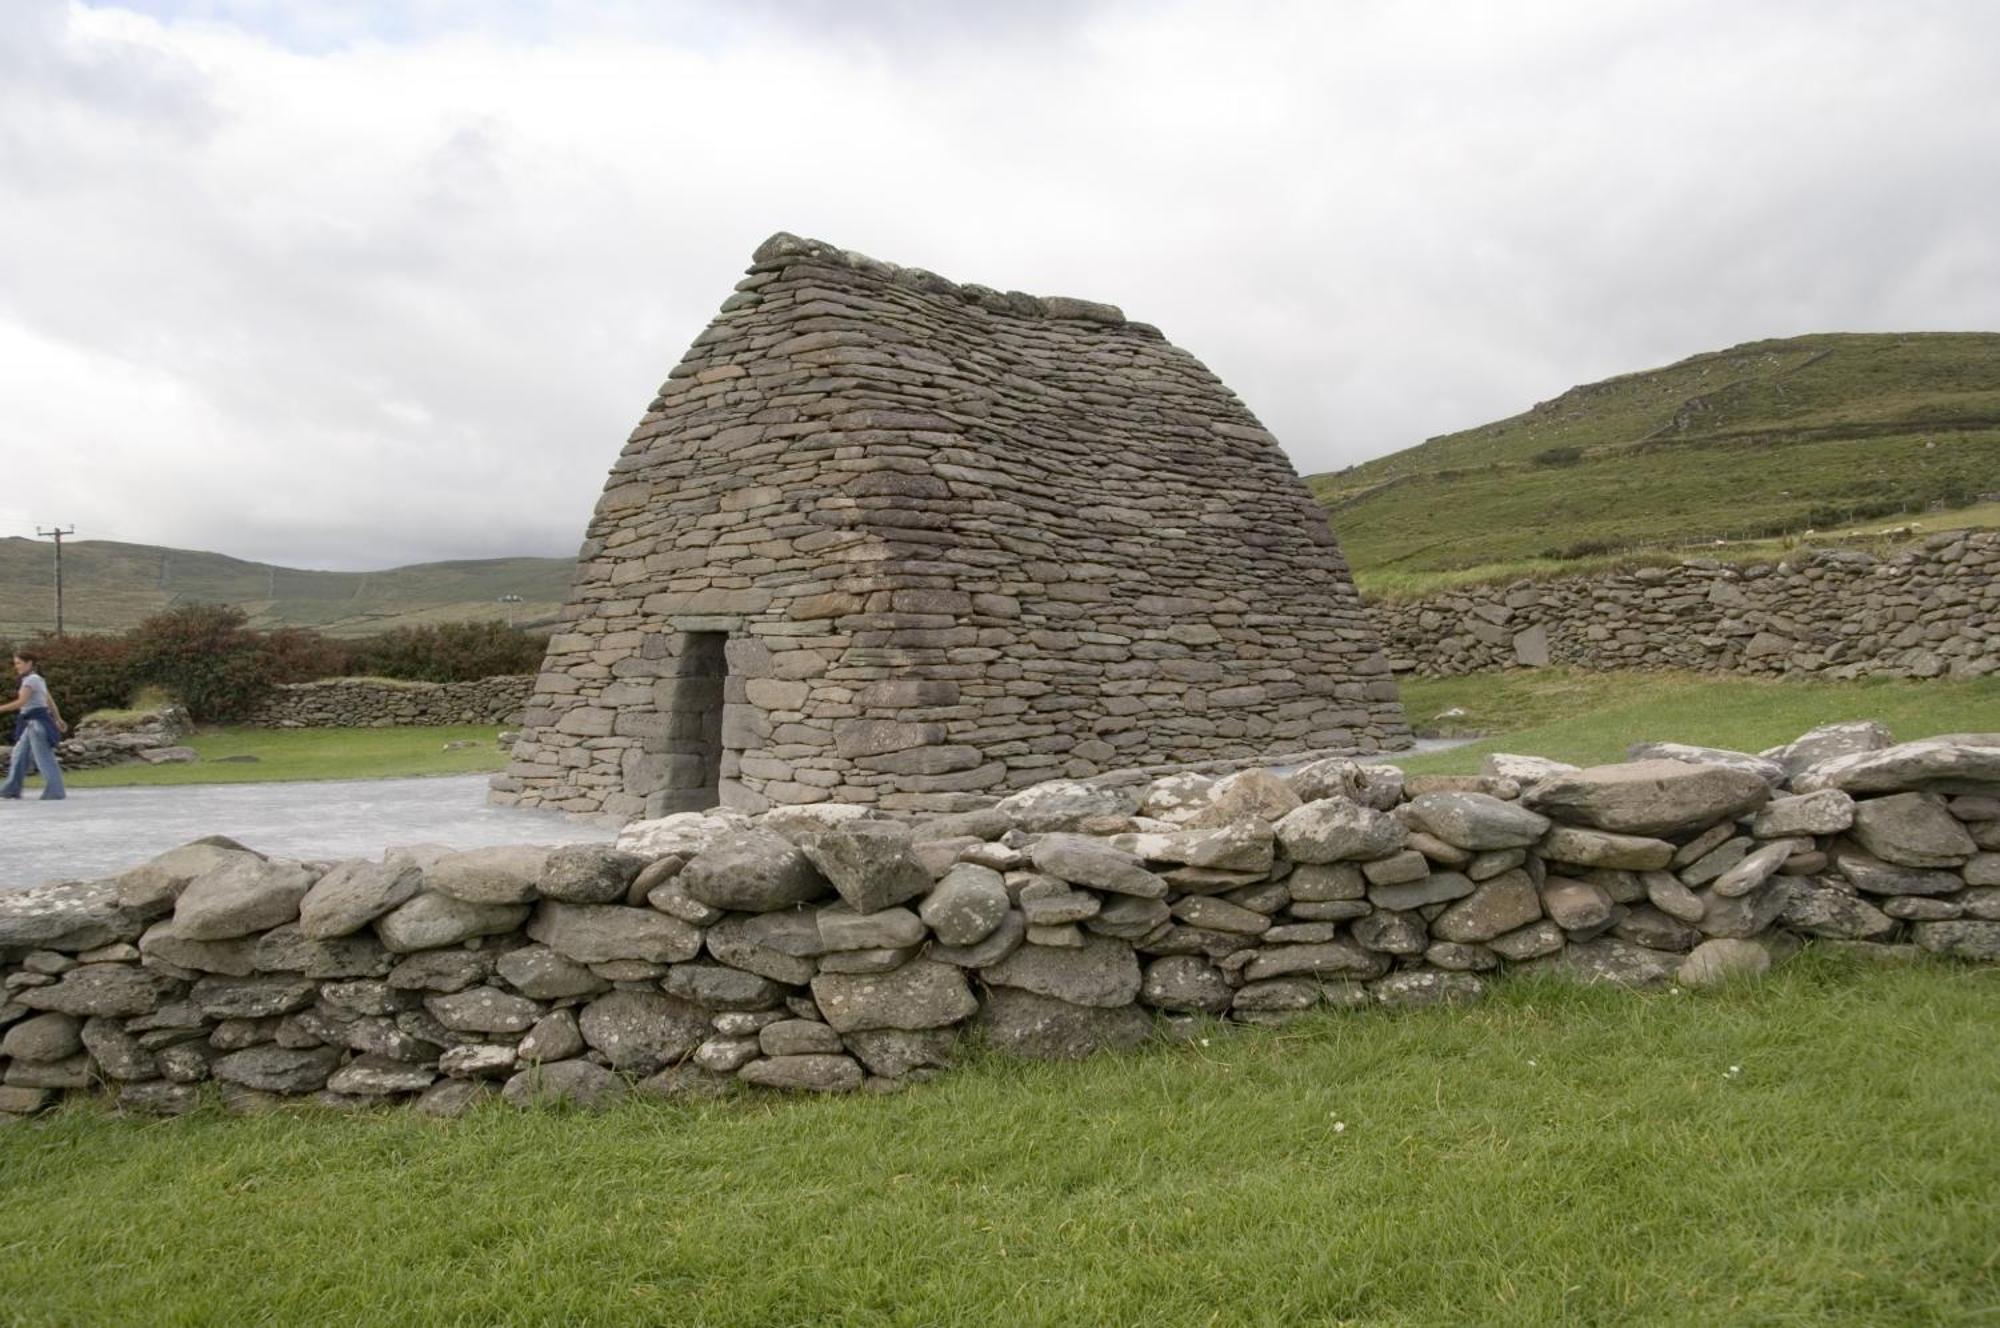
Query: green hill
(109, 586)
(1716, 453)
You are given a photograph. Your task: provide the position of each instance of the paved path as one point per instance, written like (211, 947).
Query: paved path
(100, 832)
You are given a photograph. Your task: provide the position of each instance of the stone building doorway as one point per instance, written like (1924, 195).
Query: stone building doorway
(693, 702)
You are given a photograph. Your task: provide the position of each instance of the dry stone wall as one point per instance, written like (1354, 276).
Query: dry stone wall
(386, 703)
(831, 949)
(1931, 612)
(890, 540)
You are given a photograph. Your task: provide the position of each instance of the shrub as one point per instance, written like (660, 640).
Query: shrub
(450, 652)
(1558, 456)
(205, 655)
(299, 654)
(85, 673)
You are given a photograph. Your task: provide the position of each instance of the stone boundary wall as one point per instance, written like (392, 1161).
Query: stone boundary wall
(340, 703)
(825, 948)
(1930, 612)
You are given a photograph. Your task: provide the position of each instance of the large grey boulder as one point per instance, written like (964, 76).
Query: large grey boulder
(284, 949)
(872, 864)
(537, 971)
(680, 835)
(1932, 765)
(52, 1036)
(604, 933)
(71, 916)
(499, 874)
(1827, 812)
(1721, 960)
(1827, 742)
(164, 945)
(1659, 798)
(243, 895)
(589, 874)
(1338, 958)
(642, 1031)
(1377, 786)
(720, 987)
(778, 946)
(573, 1083)
(380, 1076)
(1478, 822)
(353, 894)
(1815, 907)
(151, 888)
(258, 997)
(804, 1074)
(1766, 769)
(841, 928)
(1743, 916)
(1081, 860)
(1336, 830)
(1102, 972)
(1063, 804)
(1499, 905)
(1960, 939)
(484, 1010)
(1021, 1023)
(1436, 888)
(1608, 959)
(432, 921)
(752, 871)
(273, 1069)
(920, 994)
(1187, 983)
(894, 1052)
(1598, 848)
(1912, 830)
(101, 989)
(1871, 875)
(966, 906)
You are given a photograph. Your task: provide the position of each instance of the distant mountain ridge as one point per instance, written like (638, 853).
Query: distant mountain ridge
(1765, 439)
(109, 586)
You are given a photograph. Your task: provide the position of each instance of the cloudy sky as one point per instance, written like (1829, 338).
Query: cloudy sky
(355, 284)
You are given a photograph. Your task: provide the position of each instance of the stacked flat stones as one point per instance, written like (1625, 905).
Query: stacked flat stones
(963, 542)
(347, 703)
(825, 948)
(1928, 612)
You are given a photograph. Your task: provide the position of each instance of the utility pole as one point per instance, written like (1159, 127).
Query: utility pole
(510, 601)
(57, 532)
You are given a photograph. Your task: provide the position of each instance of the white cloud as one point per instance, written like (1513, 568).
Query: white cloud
(349, 285)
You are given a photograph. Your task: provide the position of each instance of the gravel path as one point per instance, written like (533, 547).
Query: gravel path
(100, 832)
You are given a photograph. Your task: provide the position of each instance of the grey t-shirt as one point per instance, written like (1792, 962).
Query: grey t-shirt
(38, 693)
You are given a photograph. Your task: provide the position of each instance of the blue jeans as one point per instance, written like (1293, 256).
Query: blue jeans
(31, 742)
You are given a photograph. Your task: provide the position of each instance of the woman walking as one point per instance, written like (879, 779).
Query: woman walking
(36, 732)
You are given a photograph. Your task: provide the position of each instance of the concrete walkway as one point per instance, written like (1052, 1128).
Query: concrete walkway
(99, 832)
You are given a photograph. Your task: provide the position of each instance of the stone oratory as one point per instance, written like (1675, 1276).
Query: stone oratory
(888, 539)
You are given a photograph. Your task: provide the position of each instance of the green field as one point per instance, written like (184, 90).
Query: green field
(1587, 718)
(1553, 1156)
(109, 587)
(313, 754)
(1829, 432)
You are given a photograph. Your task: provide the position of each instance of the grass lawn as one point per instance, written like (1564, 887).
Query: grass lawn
(1587, 718)
(314, 754)
(1552, 1156)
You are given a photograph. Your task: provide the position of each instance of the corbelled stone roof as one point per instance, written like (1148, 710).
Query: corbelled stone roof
(962, 540)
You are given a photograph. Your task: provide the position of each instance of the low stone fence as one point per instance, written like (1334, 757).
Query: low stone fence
(340, 703)
(821, 948)
(1930, 612)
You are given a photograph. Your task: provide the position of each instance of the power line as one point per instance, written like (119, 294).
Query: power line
(57, 532)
